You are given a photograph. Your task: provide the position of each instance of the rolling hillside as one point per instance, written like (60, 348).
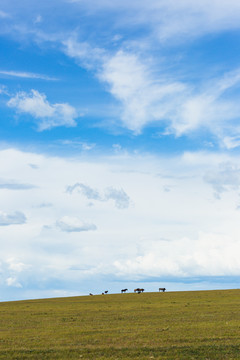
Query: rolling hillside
(177, 325)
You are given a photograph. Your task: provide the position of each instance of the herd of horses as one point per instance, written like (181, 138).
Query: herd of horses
(137, 290)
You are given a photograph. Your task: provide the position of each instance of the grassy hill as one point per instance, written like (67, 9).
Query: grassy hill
(177, 325)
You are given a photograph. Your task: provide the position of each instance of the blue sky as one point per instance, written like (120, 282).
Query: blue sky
(119, 147)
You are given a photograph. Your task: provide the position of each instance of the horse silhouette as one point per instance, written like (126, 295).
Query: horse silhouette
(162, 289)
(138, 290)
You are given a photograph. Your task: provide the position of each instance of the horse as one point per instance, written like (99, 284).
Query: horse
(124, 290)
(91, 294)
(162, 289)
(105, 292)
(138, 290)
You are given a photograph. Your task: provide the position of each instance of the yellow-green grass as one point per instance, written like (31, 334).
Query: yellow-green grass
(176, 325)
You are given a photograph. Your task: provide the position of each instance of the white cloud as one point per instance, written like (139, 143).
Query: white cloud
(12, 281)
(15, 265)
(50, 115)
(73, 224)
(231, 142)
(12, 219)
(84, 53)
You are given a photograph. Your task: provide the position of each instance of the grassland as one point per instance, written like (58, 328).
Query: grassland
(177, 325)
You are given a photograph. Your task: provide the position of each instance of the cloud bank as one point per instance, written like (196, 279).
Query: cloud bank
(183, 233)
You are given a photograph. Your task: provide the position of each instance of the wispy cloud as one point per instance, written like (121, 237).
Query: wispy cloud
(12, 185)
(119, 196)
(231, 142)
(26, 75)
(207, 107)
(33, 166)
(121, 199)
(85, 146)
(3, 14)
(164, 19)
(44, 205)
(37, 105)
(13, 281)
(3, 90)
(226, 177)
(74, 224)
(145, 98)
(38, 19)
(90, 193)
(87, 55)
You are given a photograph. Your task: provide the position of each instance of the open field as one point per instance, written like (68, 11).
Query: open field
(177, 325)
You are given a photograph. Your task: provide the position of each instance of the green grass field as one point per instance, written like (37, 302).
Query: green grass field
(177, 325)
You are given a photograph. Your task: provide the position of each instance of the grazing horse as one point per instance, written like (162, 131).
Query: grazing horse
(124, 290)
(138, 290)
(162, 289)
(105, 292)
(91, 294)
